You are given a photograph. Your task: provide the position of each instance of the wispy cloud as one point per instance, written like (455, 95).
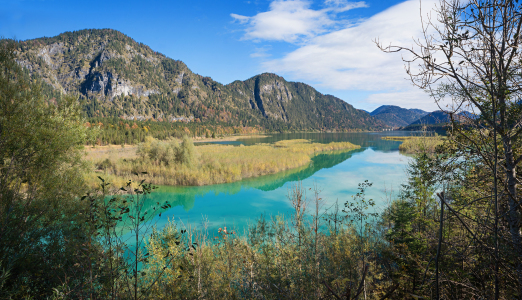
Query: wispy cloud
(342, 5)
(293, 20)
(261, 52)
(346, 58)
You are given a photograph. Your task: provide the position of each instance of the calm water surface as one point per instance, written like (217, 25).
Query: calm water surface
(337, 176)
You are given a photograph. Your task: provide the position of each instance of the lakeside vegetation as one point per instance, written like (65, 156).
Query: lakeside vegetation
(452, 232)
(116, 131)
(417, 144)
(172, 163)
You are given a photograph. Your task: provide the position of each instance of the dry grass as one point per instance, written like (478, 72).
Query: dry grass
(215, 163)
(228, 138)
(417, 144)
(110, 151)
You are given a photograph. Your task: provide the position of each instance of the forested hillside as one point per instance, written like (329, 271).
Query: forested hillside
(115, 76)
(396, 116)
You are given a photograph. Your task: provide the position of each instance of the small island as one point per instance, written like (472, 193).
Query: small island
(417, 144)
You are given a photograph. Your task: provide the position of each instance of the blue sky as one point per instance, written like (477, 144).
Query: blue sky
(327, 43)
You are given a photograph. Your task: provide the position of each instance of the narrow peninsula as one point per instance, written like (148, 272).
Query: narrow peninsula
(183, 164)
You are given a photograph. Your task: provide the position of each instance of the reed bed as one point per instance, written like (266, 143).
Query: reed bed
(417, 144)
(275, 260)
(213, 164)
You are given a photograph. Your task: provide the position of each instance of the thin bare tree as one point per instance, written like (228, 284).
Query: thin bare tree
(469, 61)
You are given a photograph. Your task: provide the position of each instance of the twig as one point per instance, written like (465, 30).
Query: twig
(360, 289)
(331, 291)
(388, 294)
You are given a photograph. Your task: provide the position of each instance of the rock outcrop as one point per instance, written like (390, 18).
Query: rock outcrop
(116, 76)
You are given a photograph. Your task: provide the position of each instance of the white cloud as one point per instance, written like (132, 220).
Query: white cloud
(348, 59)
(293, 20)
(241, 19)
(343, 5)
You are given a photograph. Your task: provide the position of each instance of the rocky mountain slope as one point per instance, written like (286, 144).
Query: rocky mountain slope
(396, 116)
(114, 76)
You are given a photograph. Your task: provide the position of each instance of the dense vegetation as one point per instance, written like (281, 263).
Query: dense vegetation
(116, 77)
(117, 131)
(453, 232)
(417, 144)
(40, 178)
(171, 163)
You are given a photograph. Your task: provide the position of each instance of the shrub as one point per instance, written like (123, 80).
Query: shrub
(168, 152)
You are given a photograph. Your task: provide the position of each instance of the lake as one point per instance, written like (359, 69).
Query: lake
(237, 204)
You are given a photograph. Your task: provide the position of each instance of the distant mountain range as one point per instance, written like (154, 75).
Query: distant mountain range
(115, 76)
(441, 117)
(395, 116)
(435, 117)
(413, 119)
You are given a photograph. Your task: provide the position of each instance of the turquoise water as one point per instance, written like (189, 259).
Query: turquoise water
(237, 204)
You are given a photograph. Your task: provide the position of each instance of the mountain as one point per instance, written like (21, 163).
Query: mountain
(115, 76)
(439, 120)
(439, 117)
(396, 116)
(435, 117)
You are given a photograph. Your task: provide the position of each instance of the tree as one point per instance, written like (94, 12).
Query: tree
(470, 60)
(40, 177)
(187, 154)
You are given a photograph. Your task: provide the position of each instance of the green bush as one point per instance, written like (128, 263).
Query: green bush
(168, 152)
(41, 176)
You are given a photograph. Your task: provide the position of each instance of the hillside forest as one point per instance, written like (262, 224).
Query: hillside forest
(120, 82)
(452, 232)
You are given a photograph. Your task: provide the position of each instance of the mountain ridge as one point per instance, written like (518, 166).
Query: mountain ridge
(441, 117)
(115, 76)
(395, 116)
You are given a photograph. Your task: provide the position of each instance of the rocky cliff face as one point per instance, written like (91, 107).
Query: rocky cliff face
(116, 76)
(74, 66)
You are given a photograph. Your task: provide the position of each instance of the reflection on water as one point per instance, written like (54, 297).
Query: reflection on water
(363, 139)
(186, 196)
(337, 174)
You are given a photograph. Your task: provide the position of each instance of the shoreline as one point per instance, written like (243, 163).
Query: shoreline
(218, 163)
(229, 138)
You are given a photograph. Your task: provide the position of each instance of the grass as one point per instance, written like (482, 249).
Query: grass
(417, 144)
(214, 163)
